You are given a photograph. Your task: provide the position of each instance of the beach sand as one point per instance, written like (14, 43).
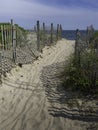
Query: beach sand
(30, 99)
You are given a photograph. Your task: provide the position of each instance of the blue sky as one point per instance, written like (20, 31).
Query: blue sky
(72, 14)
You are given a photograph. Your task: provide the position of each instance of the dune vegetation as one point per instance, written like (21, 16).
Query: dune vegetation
(81, 73)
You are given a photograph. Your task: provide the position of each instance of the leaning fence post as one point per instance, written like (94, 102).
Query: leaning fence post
(38, 35)
(51, 33)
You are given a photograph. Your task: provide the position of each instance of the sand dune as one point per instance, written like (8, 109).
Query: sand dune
(30, 99)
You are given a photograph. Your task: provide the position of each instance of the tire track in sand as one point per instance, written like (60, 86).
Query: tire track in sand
(31, 113)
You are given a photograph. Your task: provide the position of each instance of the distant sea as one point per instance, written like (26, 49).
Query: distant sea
(71, 34)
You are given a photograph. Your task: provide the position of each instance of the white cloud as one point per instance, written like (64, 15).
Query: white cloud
(24, 12)
(22, 8)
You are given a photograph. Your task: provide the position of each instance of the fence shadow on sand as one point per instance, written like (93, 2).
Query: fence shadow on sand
(61, 102)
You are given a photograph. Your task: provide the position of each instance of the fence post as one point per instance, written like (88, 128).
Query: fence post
(16, 36)
(51, 40)
(34, 28)
(2, 40)
(90, 32)
(38, 35)
(7, 37)
(44, 34)
(60, 31)
(14, 43)
(57, 35)
(77, 47)
(87, 36)
(0, 68)
(13, 33)
(76, 42)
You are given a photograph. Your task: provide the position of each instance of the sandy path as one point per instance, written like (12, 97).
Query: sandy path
(25, 97)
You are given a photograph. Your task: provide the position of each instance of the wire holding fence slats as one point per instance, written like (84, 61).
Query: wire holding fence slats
(5, 36)
(19, 46)
(47, 35)
(86, 58)
(7, 50)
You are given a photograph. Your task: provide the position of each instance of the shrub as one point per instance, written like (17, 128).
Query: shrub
(83, 76)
